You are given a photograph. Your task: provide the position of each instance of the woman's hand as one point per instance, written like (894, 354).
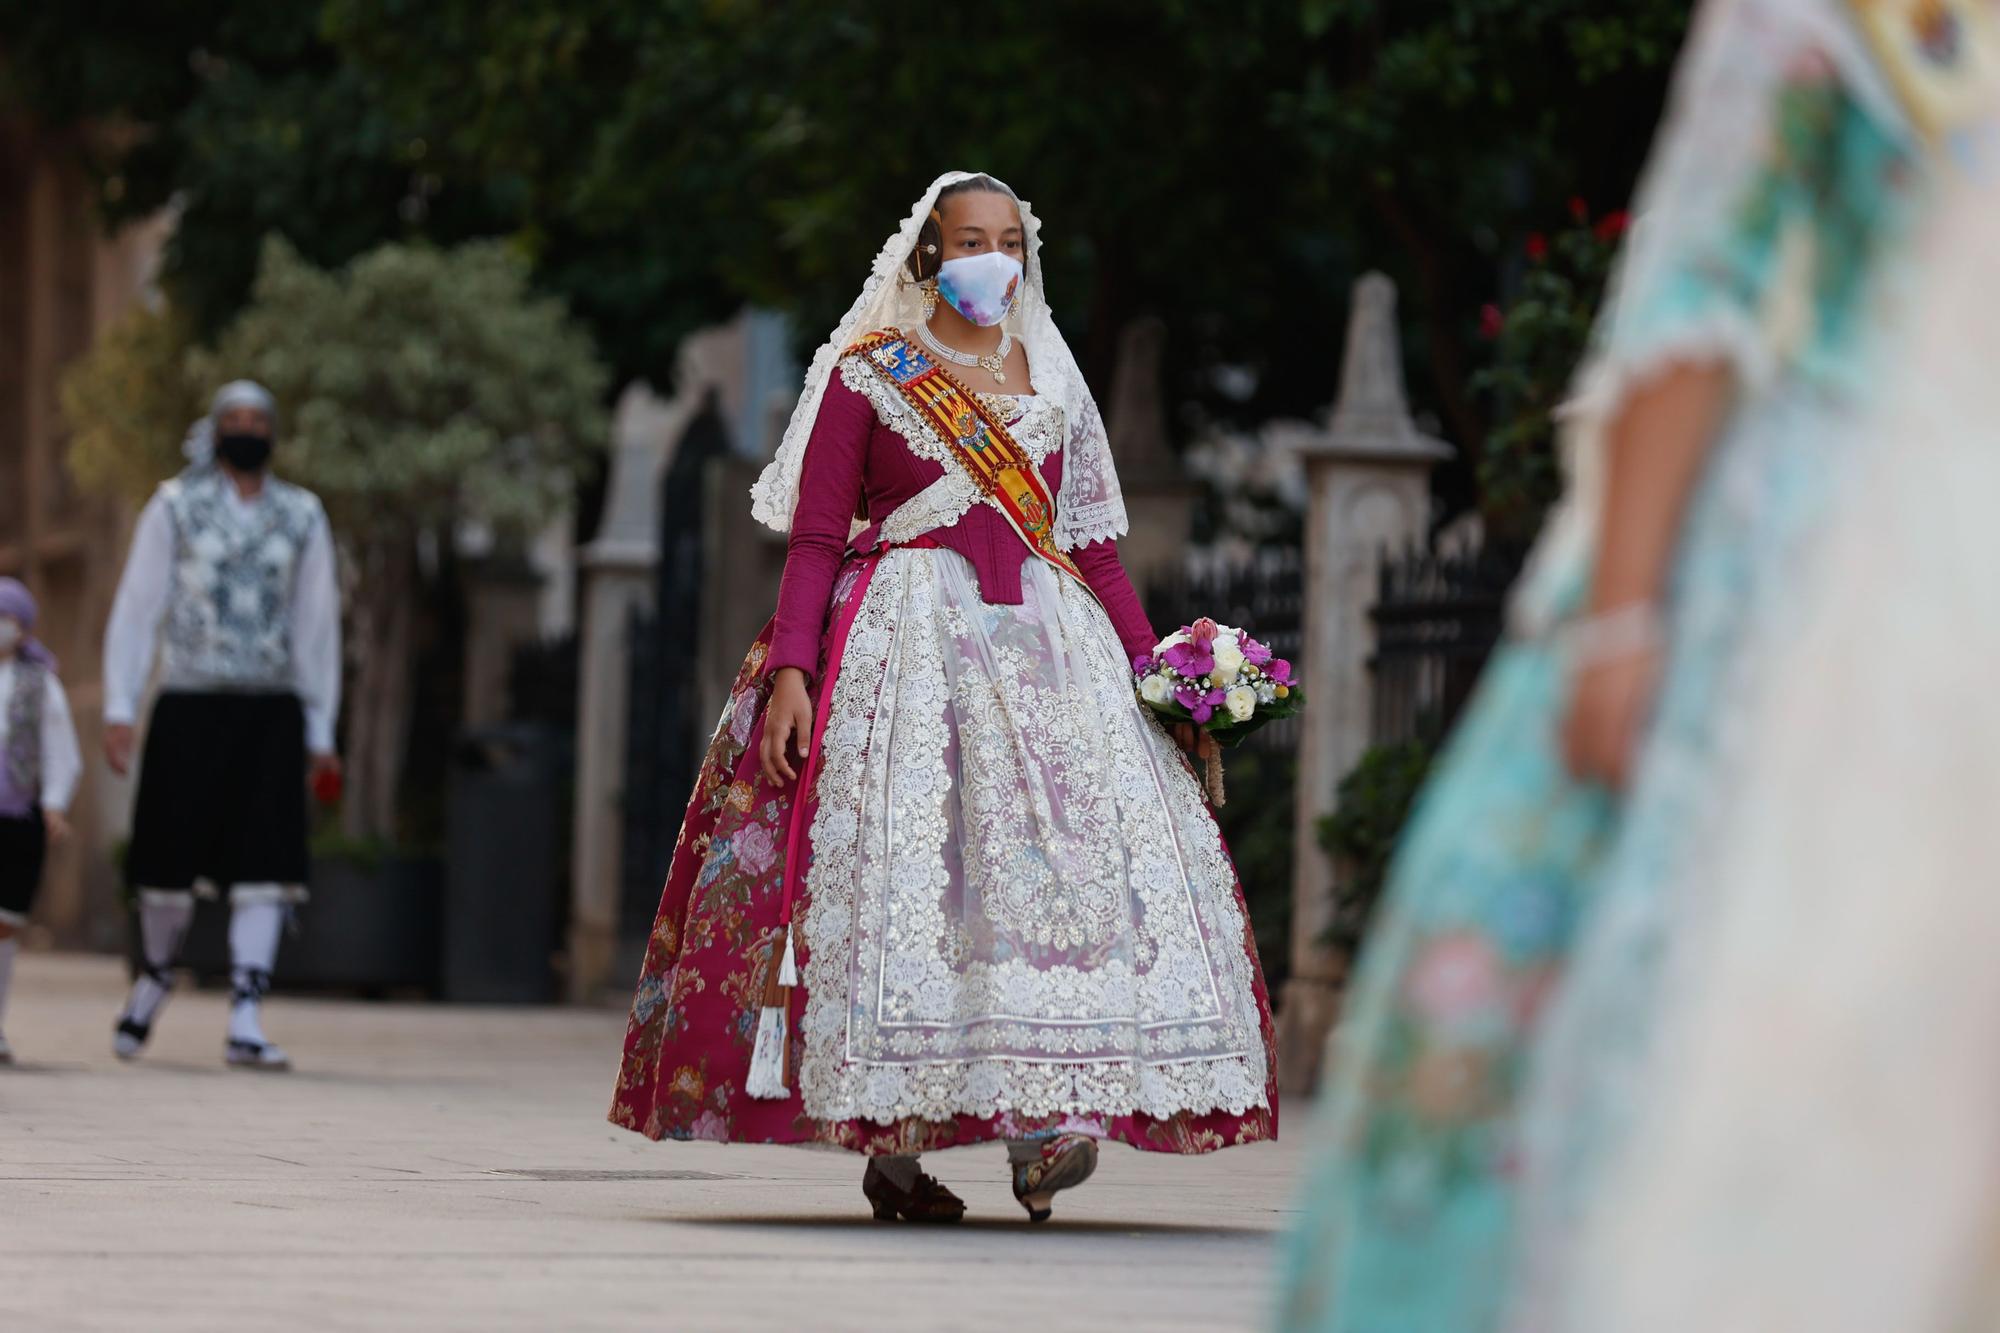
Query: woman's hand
(1194, 740)
(788, 716)
(1609, 703)
(57, 825)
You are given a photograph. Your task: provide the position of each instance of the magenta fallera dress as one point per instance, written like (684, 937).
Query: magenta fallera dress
(1014, 913)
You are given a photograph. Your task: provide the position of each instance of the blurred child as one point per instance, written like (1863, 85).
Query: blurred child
(39, 767)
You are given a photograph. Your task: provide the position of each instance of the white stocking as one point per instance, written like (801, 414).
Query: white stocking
(255, 922)
(163, 922)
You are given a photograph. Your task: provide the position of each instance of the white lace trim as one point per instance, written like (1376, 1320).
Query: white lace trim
(1143, 1001)
(1034, 420)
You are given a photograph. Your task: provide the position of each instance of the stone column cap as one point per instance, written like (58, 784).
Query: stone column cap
(1371, 419)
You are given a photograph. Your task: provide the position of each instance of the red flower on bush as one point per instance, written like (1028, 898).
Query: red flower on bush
(1578, 209)
(1612, 225)
(1537, 247)
(1491, 321)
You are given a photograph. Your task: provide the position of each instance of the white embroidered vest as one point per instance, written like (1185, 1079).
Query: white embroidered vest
(228, 622)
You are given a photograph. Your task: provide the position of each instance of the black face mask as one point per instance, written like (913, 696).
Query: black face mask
(245, 453)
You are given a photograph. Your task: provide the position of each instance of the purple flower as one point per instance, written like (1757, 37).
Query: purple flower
(1280, 671)
(1201, 704)
(1190, 661)
(1255, 653)
(1142, 665)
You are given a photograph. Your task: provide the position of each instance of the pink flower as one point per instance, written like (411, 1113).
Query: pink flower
(1457, 975)
(709, 1127)
(1201, 705)
(1190, 661)
(1203, 631)
(743, 717)
(1612, 225)
(1280, 671)
(1491, 322)
(756, 848)
(1142, 665)
(1255, 653)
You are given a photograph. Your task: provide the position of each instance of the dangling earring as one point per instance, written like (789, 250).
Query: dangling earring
(927, 292)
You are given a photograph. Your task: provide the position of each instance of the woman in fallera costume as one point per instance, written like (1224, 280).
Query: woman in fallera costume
(1483, 1065)
(943, 879)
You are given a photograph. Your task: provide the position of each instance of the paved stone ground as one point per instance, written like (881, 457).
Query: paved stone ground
(432, 1167)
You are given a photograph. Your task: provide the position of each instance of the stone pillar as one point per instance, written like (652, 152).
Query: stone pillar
(617, 582)
(1369, 474)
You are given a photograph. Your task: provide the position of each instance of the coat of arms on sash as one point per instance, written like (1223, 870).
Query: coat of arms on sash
(978, 441)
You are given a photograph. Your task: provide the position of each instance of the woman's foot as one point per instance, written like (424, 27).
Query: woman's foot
(924, 1201)
(1066, 1160)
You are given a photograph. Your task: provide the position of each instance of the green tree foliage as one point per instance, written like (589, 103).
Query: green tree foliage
(1229, 167)
(244, 121)
(125, 401)
(421, 386)
(1538, 339)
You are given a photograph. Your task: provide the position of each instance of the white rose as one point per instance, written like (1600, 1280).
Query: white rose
(1241, 703)
(1228, 660)
(1155, 690)
(1172, 640)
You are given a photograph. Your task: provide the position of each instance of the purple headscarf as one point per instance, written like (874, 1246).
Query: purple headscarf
(16, 601)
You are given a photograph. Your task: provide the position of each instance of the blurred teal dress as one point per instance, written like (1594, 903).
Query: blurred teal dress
(1767, 227)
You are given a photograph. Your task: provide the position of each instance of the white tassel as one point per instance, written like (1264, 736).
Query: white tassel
(767, 1057)
(788, 971)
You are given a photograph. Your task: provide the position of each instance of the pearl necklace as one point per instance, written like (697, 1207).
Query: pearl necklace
(992, 362)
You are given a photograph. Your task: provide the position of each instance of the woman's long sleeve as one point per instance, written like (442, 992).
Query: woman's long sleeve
(829, 491)
(1105, 573)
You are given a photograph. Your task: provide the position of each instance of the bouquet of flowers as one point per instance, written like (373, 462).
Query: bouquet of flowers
(1219, 679)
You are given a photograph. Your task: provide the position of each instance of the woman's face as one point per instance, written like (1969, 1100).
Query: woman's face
(976, 221)
(11, 634)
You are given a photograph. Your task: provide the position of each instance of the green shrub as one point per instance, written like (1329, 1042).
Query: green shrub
(1361, 834)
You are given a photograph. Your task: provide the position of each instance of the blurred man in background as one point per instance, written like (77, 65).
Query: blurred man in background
(232, 572)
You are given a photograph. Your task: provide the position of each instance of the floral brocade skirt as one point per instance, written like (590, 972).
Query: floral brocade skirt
(1013, 911)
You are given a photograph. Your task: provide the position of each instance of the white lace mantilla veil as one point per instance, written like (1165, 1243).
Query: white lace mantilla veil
(1089, 507)
(1818, 1134)
(1737, 54)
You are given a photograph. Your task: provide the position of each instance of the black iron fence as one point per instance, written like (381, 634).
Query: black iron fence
(1437, 619)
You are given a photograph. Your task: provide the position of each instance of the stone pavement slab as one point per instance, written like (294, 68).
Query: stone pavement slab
(437, 1167)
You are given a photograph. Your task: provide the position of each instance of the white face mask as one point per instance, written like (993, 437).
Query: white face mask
(10, 634)
(981, 287)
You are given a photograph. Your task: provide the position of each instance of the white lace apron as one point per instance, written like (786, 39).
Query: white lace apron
(1019, 902)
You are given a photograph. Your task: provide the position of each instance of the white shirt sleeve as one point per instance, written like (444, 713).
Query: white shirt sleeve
(62, 757)
(315, 633)
(133, 635)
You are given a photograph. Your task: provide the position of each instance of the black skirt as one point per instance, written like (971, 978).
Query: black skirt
(222, 793)
(24, 844)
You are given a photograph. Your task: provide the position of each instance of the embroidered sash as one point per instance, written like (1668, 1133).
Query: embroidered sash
(979, 443)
